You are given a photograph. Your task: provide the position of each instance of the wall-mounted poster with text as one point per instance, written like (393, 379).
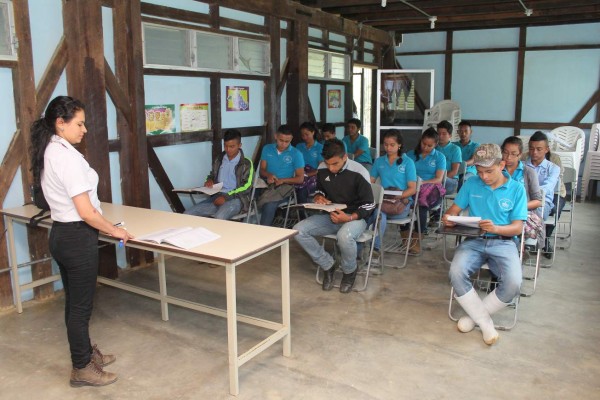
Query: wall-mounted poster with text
(160, 119)
(334, 98)
(194, 117)
(238, 98)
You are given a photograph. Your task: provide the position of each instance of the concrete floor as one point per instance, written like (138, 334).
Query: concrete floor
(393, 341)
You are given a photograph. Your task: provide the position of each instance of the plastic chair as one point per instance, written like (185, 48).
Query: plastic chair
(591, 169)
(568, 143)
(484, 284)
(252, 207)
(564, 230)
(531, 246)
(552, 220)
(367, 236)
(399, 245)
(443, 110)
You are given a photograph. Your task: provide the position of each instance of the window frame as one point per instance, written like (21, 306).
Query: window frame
(11, 32)
(328, 72)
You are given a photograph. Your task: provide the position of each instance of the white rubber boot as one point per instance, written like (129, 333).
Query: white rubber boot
(491, 303)
(472, 304)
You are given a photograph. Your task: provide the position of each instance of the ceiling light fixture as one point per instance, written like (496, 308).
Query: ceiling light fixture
(432, 18)
(383, 3)
(528, 11)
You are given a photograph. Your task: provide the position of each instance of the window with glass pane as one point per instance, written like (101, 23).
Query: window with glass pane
(316, 64)
(253, 56)
(214, 51)
(5, 40)
(338, 67)
(166, 46)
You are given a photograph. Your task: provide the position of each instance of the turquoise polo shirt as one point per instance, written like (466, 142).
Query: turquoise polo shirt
(284, 164)
(312, 156)
(427, 167)
(502, 205)
(467, 153)
(361, 143)
(518, 174)
(394, 175)
(453, 154)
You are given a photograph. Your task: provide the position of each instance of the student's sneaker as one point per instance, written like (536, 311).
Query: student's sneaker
(102, 359)
(91, 375)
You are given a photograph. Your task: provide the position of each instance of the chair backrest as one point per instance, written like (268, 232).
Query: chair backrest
(443, 110)
(594, 138)
(569, 175)
(568, 138)
(525, 140)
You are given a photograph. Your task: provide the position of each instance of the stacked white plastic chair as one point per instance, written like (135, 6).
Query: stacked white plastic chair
(445, 110)
(568, 143)
(591, 170)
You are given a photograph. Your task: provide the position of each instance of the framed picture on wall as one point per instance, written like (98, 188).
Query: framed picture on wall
(160, 119)
(194, 117)
(334, 98)
(238, 98)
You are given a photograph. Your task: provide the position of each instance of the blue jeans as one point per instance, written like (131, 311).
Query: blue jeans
(74, 247)
(206, 208)
(383, 223)
(321, 225)
(268, 210)
(502, 257)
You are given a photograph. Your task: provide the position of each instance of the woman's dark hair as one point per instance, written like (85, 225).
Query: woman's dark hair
(397, 135)
(309, 126)
(540, 136)
(513, 140)
(42, 130)
(430, 133)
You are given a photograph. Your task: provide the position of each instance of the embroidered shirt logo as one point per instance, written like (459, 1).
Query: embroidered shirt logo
(505, 204)
(287, 159)
(432, 163)
(401, 169)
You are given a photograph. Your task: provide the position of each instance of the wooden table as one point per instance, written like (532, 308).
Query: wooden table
(238, 243)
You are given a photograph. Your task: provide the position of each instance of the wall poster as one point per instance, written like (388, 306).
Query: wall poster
(194, 117)
(334, 98)
(160, 119)
(238, 98)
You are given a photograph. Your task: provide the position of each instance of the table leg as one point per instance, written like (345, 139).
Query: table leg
(234, 384)
(285, 297)
(162, 284)
(13, 264)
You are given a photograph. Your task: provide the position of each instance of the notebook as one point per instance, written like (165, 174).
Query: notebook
(185, 238)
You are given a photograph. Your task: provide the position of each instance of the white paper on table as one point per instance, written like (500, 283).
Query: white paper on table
(216, 188)
(185, 238)
(324, 207)
(472, 222)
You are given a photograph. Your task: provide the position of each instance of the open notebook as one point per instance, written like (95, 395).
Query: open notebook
(323, 207)
(185, 238)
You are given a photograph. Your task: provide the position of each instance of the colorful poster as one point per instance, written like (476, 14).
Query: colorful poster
(334, 98)
(194, 117)
(238, 98)
(160, 119)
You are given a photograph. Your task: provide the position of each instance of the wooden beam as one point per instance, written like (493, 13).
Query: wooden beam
(25, 100)
(520, 79)
(202, 74)
(272, 93)
(215, 117)
(297, 88)
(52, 74)
(9, 63)
(126, 88)
(10, 164)
(448, 65)
(284, 76)
(82, 26)
(164, 183)
(593, 100)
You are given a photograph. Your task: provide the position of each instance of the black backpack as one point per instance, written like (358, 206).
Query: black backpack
(40, 202)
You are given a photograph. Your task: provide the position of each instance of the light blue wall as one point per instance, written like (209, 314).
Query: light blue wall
(563, 34)
(335, 114)
(427, 41)
(484, 85)
(485, 39)
(314, 95)
(190, 5)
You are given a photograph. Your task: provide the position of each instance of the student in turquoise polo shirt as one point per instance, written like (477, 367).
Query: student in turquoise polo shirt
(453, 155)
(396, 172)
(357, 144)
(312, 151)
(501, 203)
(430, 165)
(467, 147)
(282, 166)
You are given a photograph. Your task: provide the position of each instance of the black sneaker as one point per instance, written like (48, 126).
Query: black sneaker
(348, 282)
(328, 278)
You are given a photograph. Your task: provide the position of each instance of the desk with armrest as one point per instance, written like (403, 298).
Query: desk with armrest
(238, 244)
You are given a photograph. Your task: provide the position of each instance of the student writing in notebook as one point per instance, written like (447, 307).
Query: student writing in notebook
(501, 203)
(346, 182)
(236, 173)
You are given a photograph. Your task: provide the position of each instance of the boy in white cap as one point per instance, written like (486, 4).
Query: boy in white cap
(501, 202)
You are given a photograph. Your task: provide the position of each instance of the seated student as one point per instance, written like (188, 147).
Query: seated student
(328, 132)
(236, 172)
(396, 173)
(311, 150)
(501, 203)
(512, 148)
(282, 165)
(357, 144)
(453, 155)
(346, 182)
(430, 165)
(549, 169)
(467, 147)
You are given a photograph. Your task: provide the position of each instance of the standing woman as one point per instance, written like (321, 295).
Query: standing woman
(431, 165)
(70, 185)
